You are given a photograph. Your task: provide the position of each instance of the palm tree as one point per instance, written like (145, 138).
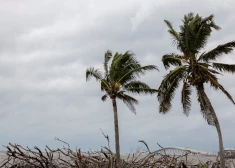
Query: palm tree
(194, 69)
(119, 79)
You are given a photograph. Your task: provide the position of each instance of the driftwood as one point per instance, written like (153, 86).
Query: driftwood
(21, 157)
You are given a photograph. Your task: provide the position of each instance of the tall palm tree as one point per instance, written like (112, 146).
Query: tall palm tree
(119, 79)
(195, 68)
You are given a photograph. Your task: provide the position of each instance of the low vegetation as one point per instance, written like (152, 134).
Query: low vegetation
(24, 157)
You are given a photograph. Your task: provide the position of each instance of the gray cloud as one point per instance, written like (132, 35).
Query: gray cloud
(45, 48)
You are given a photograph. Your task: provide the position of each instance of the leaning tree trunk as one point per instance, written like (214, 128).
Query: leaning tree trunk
(217, 125)
(118, 161)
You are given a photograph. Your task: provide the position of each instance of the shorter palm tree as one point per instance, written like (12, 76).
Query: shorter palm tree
(119, 79)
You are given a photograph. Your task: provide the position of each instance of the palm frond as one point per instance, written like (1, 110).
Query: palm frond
(105, 86)
(167, 88)
(194, 33)
(142, 90)
(188, 17)
(186, 34)
(185, 37)
(138, 87)
(120, 60)
(185, 98)
(171, 59)
(104, 97)
(114, 64)
(179, 71)
(127, 57)
(129, 66)
(129, 75)
(212, 79)
(211, 21)
(92, 72)
(173, 33)
(202, 31)
(205, 67)
(129, 101)
(107, 57)
(216, 85)
(217, 52)
(224, 67)
(121, 64)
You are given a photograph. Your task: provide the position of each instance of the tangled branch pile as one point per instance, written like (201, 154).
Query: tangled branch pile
(18, 156)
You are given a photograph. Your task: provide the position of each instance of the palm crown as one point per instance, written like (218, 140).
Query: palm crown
(193, 68)
(120, 78)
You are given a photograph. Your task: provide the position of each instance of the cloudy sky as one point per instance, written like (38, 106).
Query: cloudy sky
(46, 46)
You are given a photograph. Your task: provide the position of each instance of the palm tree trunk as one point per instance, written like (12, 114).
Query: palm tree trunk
(116, 133)
(217, 125)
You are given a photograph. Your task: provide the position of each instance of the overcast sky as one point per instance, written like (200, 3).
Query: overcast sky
(46, 46)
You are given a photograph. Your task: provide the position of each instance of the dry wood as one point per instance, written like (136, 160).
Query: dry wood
(21, 157)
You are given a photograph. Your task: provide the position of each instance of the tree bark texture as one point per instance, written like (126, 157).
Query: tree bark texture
(217, 125)
(116, 130)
